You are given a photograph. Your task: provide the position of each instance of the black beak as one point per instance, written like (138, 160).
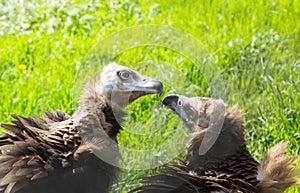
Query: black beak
(171, 101)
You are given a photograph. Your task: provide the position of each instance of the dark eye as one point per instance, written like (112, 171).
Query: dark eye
(124, 74)
(179, 103)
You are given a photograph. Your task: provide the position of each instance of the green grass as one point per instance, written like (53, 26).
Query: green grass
(252, 45)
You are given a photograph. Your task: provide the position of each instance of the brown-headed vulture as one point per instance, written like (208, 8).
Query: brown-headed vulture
(72, 154)
(217, 160)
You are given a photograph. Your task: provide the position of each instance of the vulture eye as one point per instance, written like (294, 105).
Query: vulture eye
(124, 74)
(179, 102)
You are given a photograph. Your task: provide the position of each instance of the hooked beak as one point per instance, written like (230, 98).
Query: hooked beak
(189, 116)
(171, 101)
(147, 86)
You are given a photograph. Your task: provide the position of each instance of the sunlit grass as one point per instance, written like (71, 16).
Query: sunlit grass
(253, 44)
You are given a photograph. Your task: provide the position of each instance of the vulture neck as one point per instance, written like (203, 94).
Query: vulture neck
(229, 142)
(92, 101)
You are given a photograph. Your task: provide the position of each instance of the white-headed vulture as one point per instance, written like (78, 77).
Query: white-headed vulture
(217, 160)
(72, 154)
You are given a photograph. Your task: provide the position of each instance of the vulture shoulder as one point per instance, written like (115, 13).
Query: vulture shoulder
(228, 154)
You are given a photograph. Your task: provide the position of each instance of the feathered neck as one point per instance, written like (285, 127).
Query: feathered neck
(230, 141)
(92, 102)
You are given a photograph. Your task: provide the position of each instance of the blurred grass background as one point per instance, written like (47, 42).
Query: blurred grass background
(253, 44)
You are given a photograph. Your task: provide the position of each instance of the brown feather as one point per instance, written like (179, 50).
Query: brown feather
(62, 153)
(36, 153)
(226, 161)
(277, 171)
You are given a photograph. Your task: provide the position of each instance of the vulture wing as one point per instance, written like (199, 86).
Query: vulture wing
(178, 178)
(48, 156)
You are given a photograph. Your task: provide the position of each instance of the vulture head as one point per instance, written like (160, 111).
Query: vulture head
(107, 94)
(121, 85)
(196, 112)
(217, 132)
(116, 87)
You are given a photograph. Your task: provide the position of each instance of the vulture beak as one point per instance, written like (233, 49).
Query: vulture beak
(146, 85)
(184, 107)
(171, 101)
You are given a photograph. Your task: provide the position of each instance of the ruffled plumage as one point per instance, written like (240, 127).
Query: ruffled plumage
(226, 166)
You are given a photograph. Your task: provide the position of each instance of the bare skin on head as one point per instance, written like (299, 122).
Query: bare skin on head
(63, 153)
(117, 87)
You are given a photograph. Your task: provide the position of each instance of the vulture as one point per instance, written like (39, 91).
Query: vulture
(72, 154)
(217, 160)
